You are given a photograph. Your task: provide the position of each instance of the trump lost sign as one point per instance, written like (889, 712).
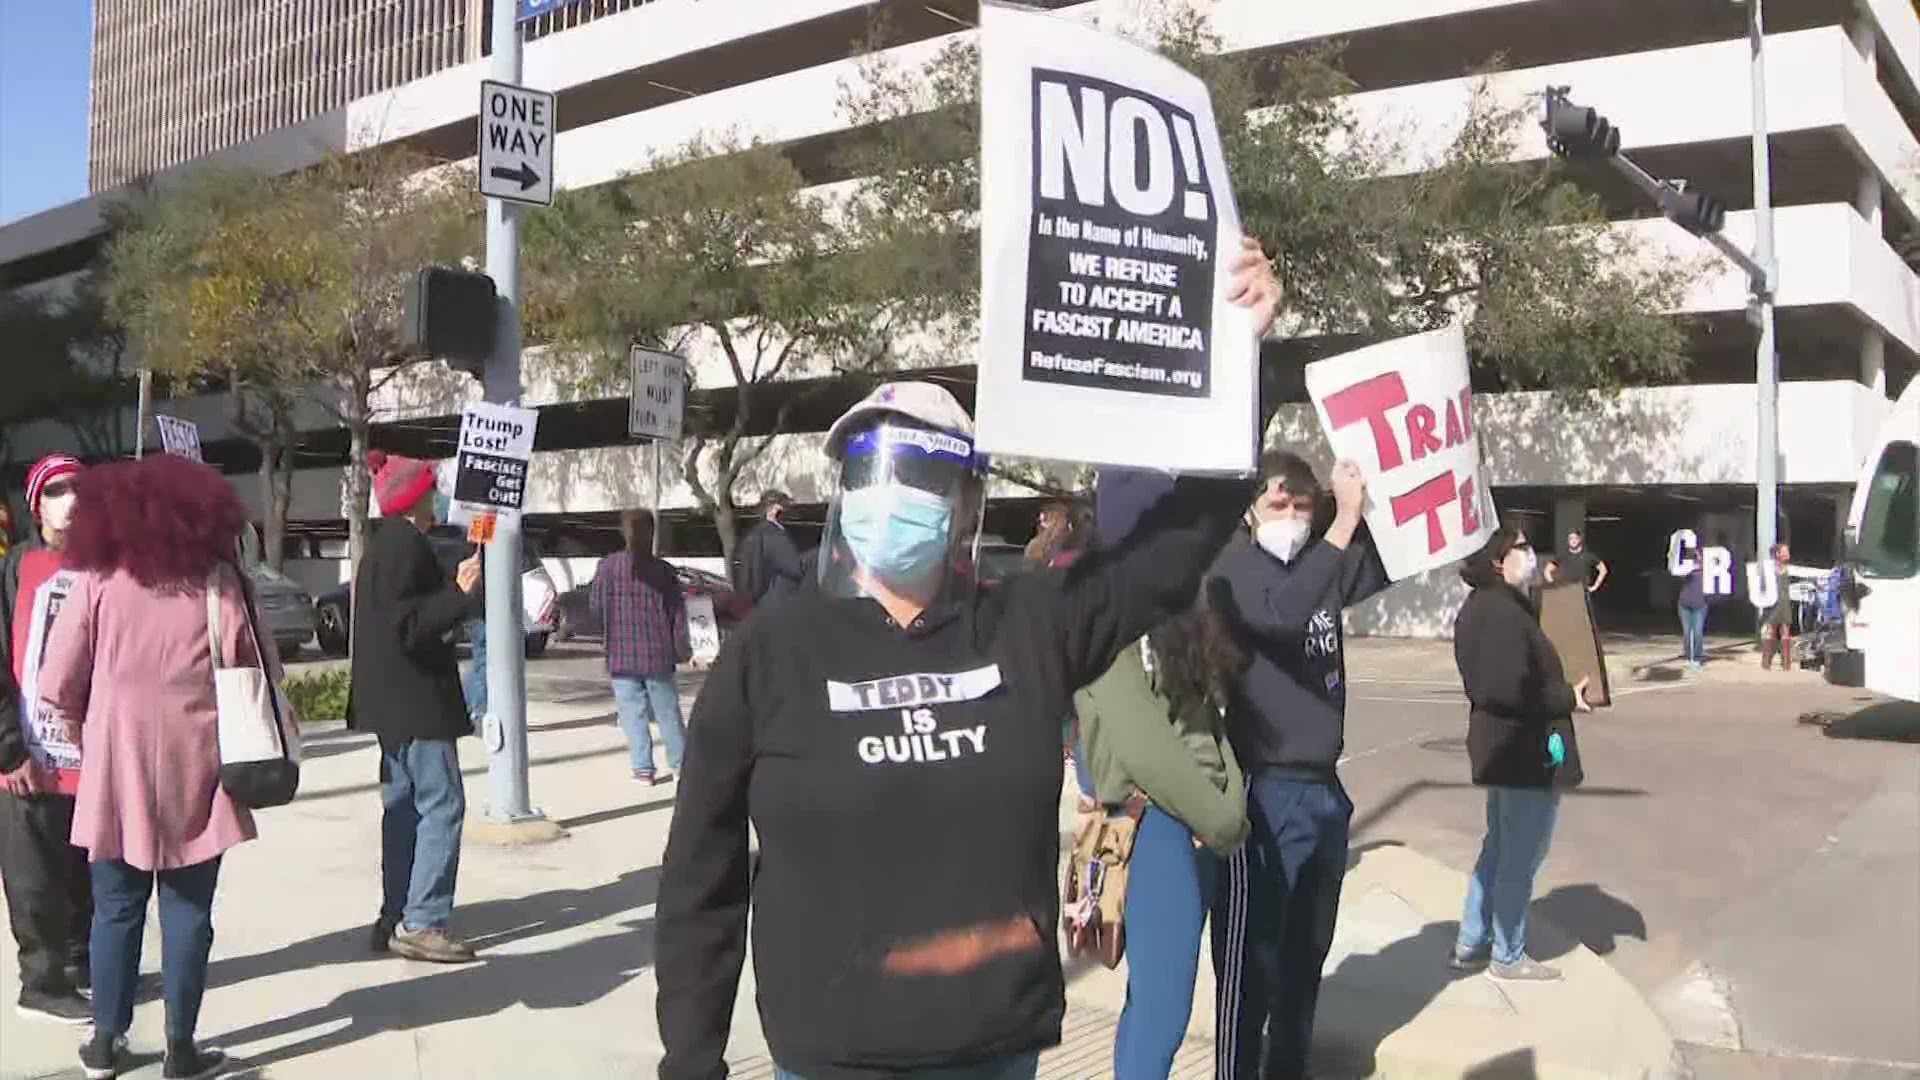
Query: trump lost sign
(490, 473)
(1403, 411)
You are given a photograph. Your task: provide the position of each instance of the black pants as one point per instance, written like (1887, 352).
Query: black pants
(49, 894)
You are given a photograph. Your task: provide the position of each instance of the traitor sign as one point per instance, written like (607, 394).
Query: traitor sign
(490, 473)
(516, 143)
(1403, 411)
(178, 436)
(1106, 219)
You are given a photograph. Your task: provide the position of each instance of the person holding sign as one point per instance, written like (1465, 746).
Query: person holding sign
(1283, 596)
(49, 897)
(1776, 619)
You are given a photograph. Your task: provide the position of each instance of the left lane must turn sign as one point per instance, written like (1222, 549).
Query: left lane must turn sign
(516, 143)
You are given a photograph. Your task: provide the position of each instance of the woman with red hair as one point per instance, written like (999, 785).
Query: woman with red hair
(130, 661)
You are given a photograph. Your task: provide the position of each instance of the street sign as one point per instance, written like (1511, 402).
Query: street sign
(516, 143)
(490, 472)
(657, 402)
(179, 436)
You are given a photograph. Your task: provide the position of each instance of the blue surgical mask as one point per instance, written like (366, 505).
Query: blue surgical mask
(442, 505)
(897, 533)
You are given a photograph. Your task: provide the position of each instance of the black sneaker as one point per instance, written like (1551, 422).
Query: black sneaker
(188, 1062)
(66, 1008)
(382, 934)
(101, 1057)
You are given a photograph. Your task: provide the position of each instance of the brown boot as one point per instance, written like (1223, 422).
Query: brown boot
(433, 945)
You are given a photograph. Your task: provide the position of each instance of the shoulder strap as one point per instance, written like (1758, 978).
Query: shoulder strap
(213, 616)
(253, 631)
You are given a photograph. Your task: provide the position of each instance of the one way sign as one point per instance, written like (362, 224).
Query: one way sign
(516, 143)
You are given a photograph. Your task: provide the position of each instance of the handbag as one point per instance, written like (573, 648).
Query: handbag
(259, 759)
(1094, 894)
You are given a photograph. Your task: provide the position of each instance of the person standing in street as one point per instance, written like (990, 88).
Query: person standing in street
(405, 688)
(1284, 596)
(1776, 622)
(1577, 563)
(48, 888)
(770, 566)
(131, 661)
(637, 595)
(1520, 741)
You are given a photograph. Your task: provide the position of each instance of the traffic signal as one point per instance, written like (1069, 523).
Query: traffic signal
(453, 315)
(1577, 132)
(1695, 211)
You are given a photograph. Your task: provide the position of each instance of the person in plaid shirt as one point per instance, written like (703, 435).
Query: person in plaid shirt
(638, 597)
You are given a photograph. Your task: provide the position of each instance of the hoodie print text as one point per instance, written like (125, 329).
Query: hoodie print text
(922, 739)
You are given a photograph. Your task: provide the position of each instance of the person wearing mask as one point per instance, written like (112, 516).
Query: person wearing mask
(1521, 744)
(1776, 622)
(892, 737)
(48, 888)
(637, 595)
(1283, 597)
(1693, 617)
(1155, 741)
(405, 688)
(131, 662)
(1577, 563)
(771, 567)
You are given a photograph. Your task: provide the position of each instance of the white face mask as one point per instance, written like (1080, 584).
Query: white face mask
(1282, 537)
(1529, 563)
(56, 511)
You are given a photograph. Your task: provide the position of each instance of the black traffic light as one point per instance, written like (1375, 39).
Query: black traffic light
(453, 315)
(1695, 211)
(1576, 132)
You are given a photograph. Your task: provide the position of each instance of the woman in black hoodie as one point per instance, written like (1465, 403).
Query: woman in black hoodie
(1521, 743)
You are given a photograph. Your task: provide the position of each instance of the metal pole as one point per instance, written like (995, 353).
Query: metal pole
(141, 411)
(659, 522)
(1766, 364)
(506, 632)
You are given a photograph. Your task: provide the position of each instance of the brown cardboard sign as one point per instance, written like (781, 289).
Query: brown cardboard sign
(1566, 616)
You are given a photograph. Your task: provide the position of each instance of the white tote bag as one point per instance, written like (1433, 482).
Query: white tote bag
(259, 750)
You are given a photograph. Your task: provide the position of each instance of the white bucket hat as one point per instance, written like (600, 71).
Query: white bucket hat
(923, 402)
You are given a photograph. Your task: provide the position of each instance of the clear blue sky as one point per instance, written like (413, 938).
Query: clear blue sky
(43, 103)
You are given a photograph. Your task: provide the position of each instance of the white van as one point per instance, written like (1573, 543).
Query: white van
(1883, 532)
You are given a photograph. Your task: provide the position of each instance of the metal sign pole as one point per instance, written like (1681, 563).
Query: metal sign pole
(141, 412)
(506, 721)
(1767, 367)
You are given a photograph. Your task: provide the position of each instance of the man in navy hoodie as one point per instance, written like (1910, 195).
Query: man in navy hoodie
(1283, 595)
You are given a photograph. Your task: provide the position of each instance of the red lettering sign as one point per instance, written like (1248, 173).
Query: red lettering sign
(1420, 437)
(1427, 499)
(1370, 400)
(1469, 506)
(1456, 434)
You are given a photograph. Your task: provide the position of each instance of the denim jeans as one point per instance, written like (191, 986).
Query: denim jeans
(643, 698)
(1693, 633)
(1170, 887)
(425, 801)
(1519, 829)
(120, 894)
(1012, 1067)
(475, 684)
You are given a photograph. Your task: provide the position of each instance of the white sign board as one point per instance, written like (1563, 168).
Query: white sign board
(1107, 218)
(51, 740)
(703, 629)
(490, 471)
(1403, 411)
(516, 143)
(178, 436)
(657, 401)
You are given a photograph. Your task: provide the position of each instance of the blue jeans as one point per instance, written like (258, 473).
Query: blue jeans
(1519, 828)
(1273, 925)
(120, 894)
(425, 801)
(1170, 887)
(475, 684)
(1693, 633)
(643, 698)
(1012, 1067)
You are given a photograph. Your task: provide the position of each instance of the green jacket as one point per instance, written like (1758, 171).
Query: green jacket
(1181, 763)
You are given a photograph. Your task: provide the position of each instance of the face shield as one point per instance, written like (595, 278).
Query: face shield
(907, 517)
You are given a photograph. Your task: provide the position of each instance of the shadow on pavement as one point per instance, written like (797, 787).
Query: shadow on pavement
(576, 724)
(1512, 1065)
(1373, 815)
(616, 813)
(1888, 721)
(1398, 983)
(571, 975)
(1593, 916)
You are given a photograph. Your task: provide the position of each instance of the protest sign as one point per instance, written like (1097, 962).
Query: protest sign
(703, 630)
(1107, 223)
(1685, 555)
(51, 739)
(1566, 617)
(178, 436)
(1403, 411)
(490, 472)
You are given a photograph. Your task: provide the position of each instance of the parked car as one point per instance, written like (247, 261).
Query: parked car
(576, 617)
(287, 610)
(537, 593)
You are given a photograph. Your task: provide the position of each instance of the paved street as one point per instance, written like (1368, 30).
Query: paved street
(1755, 877)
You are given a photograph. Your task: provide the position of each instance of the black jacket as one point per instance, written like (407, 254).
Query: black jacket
(771, 568)
(1518, 692)
(1288, 710)
(13, 742)
(905, 786)
(406, 680)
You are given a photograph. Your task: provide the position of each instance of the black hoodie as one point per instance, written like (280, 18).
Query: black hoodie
(904, 785)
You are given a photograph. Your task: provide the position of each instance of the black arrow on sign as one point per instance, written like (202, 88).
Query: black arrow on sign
(524, 174)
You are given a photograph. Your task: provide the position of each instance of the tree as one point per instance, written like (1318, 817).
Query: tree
(73, 353)
(719, 247)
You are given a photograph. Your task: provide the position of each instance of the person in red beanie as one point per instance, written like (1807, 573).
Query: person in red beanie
(405, 688)
(49, 895)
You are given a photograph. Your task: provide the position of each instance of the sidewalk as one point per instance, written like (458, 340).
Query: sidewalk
(1632, 660)
(566, 987)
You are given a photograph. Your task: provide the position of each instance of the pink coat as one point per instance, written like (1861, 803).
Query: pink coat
(133, 664)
